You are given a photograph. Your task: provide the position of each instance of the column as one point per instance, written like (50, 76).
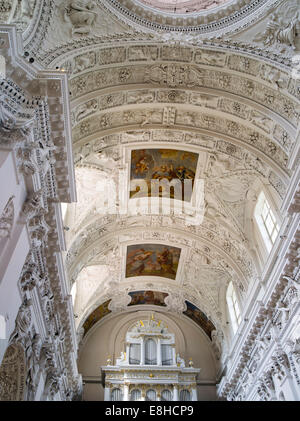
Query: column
(194, 393)
(107, 393)
(174, 354)
(126, 392)
(159, 362)
(175, 393)
(142, 352)
(127, 353)
(143, 393)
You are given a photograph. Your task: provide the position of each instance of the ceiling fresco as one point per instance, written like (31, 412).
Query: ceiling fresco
(199, 317)
(166, 172)
(96, 315)
(156, 298)
(152, 260)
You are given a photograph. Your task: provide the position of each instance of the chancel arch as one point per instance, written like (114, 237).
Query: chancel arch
(116, 327)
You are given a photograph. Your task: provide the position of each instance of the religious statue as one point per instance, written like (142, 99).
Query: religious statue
(180, 361)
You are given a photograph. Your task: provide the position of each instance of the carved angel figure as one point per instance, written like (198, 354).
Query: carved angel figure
(23, 10)
(180, 361)
(278, 31)
(217, 339)
(81, 16)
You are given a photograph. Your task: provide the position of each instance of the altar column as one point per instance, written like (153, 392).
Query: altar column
(126, 392)
(159, 362)
(174, 354)
(143, 392)
(175, 393)
(142, 352)
(194, 393)
(107, 393)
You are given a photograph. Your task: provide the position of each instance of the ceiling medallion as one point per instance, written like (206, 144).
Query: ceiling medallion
(207, 17)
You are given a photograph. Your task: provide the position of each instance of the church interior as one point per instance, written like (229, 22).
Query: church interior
(149, 200)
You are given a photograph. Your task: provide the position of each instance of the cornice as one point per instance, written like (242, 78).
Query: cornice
(231, 17)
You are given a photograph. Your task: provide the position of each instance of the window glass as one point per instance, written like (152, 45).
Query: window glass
(266, 221)
(233, 307)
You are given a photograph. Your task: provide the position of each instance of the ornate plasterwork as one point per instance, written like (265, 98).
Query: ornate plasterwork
(13, 374)
(281, 32)
(168, 73)
(35, 130)
(7, 219)
(182, 6)
(220, 20)
(266, 355)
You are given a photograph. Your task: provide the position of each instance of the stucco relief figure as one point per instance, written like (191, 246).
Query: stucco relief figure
(81, 16)
(86, 109)
(32, 356)
(7, 121)
(216, 338)
(7, 219)
(180, 361)
(23, 322)
(279, 31)
(23, 10)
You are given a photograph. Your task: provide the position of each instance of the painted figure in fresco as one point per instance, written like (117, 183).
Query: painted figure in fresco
(163, 166)
(184, 173)
(139, 260)
(147, 297)
(166, 261)
(152, 260)
(164, 172)
(142, 166)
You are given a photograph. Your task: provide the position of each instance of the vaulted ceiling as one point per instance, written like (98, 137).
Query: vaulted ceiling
(233, 105)
(227, 109)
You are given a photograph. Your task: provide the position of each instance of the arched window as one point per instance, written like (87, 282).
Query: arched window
(116, 395)
(134, 354)
(184, 395)
(166, 354)
(135, 395)
(73, 292)
(266, 221)
(150, 352)
(233, 307)
(166, 395)
(151, 395)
